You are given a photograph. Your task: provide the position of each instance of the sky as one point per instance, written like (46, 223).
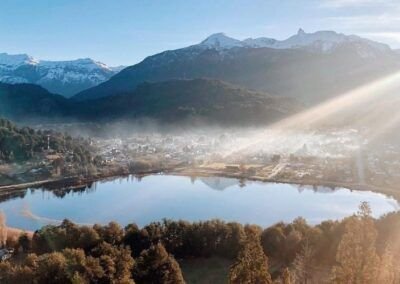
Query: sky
(124, 32)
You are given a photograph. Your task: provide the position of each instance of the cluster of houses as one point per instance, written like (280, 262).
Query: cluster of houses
(182, 148)
(325, 156)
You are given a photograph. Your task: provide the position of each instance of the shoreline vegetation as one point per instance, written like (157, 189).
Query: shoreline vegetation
(179, 251)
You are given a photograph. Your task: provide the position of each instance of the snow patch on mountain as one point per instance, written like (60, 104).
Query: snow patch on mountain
(64, 77)
(220, 41)
(14, 60)
(116, 69)
(327, 41)
(13, 79)
(259, 42)
(322, 41)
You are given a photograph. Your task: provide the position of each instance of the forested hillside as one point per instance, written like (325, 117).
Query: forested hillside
(174, 101)
(21, 144)
(25, 102)
(204, 100)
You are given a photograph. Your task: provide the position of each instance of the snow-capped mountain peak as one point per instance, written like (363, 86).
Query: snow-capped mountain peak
(13, 60)
(16, 60)
(322, 41)
(220, 41)
(83, 63)
(327, 41)
(64, 77)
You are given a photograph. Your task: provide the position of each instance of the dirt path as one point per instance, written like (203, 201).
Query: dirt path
(25, 185)
(278, 168)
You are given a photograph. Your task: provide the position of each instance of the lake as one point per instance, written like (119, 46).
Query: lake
(155, 197)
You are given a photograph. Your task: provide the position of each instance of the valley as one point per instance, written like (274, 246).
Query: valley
(312, 158)
(255, 160)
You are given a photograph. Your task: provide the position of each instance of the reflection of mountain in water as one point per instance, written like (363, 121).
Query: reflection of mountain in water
(317, 189)
(61, 193)
(219, 183)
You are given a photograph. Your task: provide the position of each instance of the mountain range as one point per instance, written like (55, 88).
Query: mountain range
(220, 80)
(62, 77)
(321, 41)
(310, 67)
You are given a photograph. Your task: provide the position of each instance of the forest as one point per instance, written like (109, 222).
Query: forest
(357, 249)
(172, 102)
(19, 144)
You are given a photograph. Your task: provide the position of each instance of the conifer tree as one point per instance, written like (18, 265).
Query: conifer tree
(155, 265)
(303, 264)
(388, 270)
(251, 266)
(357, 260)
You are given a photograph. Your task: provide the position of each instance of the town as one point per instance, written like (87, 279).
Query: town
(337, 158)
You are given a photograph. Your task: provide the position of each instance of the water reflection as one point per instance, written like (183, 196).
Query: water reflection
(215, 183)
(219, 183)
(151, 198)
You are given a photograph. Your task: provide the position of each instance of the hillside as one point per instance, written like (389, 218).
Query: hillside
(27, 101)
(174, 101)
(309, 67)
(203, 100)
(20, 144)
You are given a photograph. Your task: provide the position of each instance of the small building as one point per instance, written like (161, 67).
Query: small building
(232, 168)
(5, 254)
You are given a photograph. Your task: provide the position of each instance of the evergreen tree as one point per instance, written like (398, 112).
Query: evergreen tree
(251, 266)
(303, 265)
(357, 260)
(52, 268)
(116, 262)
(155, 265)
(388, 270)
(24, 242)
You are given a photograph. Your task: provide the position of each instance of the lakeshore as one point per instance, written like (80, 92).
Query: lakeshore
(151, 198)
(82, 182)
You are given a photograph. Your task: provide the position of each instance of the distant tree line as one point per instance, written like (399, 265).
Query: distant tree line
(358, 249)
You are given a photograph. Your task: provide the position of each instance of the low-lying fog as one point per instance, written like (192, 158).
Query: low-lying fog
(351, 139)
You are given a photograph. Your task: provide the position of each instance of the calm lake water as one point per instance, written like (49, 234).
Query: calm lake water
(159, 196)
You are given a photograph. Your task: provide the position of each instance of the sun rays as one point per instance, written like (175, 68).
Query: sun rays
(357, 105)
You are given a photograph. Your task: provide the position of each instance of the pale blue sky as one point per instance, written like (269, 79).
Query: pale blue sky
(123, 32)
